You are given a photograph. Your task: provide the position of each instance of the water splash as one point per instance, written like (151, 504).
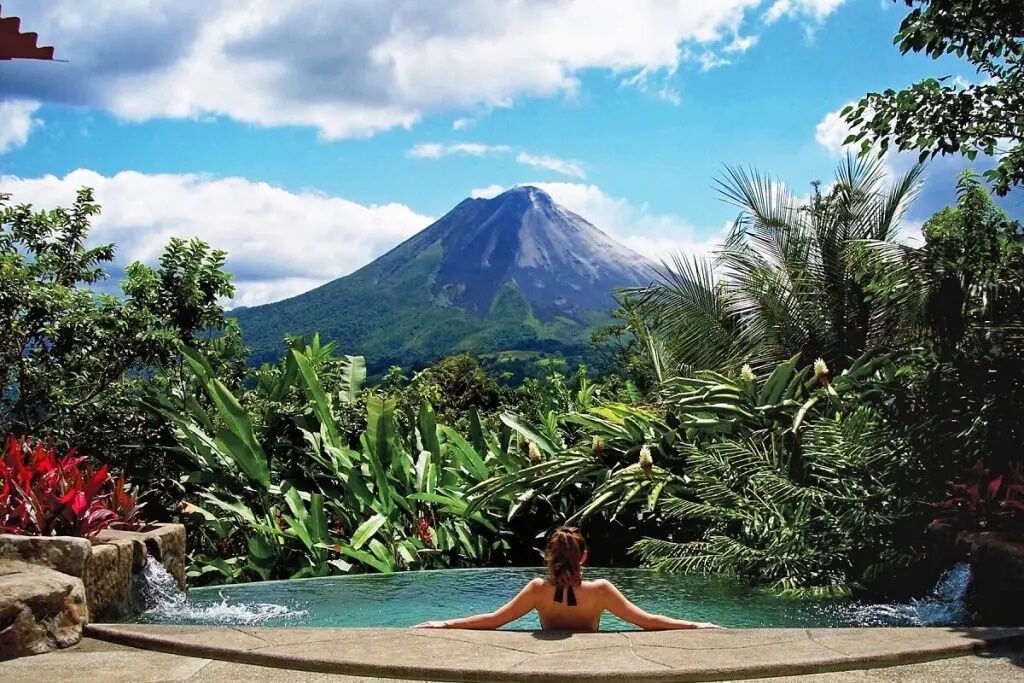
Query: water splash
(159, 600)
(944, 606)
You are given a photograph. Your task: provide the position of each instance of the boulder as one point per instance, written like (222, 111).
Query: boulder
(103, 565)
(40, 609)
(65, 554)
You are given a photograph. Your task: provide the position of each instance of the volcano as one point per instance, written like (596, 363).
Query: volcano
(516, 272)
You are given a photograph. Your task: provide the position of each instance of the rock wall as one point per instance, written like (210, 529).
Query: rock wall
(51, 586)
(997, 588)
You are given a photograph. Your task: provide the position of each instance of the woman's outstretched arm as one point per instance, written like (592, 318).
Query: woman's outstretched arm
(617, 603)
(510, 611)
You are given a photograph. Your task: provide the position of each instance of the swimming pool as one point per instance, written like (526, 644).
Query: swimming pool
(405, 599)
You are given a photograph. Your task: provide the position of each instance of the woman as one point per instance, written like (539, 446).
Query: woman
(564, 601)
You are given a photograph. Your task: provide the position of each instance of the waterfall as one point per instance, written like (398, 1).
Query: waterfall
(947, 602)
(154, 586)
(158, 599)
(944, 606)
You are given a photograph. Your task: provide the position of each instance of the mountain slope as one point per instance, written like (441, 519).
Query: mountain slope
(513, 272)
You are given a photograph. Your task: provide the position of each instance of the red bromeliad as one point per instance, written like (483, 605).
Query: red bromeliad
(985, 501)
(45, 495)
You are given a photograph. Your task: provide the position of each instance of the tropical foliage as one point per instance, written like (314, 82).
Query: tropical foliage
(943, 116)
(966, 390)
(44, 494)
(787, 412)
(985, 501)
(319, 502)
(790, 480)
(75, 358)
(793, 276)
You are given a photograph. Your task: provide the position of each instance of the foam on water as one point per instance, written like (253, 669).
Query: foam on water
(160, 600)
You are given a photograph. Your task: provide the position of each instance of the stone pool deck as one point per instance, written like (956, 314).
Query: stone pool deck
(450, 655)
(96, 660)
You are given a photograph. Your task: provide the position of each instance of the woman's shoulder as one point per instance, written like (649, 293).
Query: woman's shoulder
(541, 583)
(537, 584)
(599, 584)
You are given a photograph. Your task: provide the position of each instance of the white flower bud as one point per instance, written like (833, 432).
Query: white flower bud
(645, 460)
(820, 368)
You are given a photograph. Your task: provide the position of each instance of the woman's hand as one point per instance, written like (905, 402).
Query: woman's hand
(707, 624)
(432, 624)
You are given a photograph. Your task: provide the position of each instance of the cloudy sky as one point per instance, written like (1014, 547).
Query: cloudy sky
(308, 138)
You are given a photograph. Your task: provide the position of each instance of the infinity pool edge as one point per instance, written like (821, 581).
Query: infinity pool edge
(451, 655)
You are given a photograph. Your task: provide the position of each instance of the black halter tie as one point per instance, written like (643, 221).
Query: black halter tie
(571, 602)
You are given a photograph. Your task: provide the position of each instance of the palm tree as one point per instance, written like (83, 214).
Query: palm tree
(794, 275)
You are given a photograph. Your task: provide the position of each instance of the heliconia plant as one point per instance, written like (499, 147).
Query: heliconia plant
(43, 494)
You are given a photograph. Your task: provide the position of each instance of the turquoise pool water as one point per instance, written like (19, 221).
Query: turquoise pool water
(407, 598)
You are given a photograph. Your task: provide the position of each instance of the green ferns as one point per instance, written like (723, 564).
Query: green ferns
(813, 517)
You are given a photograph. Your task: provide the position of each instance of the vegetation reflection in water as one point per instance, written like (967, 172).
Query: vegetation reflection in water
(400, 600)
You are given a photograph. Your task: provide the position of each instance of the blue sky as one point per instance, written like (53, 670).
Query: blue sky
(250, 138)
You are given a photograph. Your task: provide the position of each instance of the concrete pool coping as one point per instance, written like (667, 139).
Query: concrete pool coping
(454, 655)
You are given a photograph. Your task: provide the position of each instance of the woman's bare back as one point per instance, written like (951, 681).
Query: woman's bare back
(560, 616)
(592, 598)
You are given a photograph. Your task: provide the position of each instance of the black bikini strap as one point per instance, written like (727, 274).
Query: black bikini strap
(571, 602)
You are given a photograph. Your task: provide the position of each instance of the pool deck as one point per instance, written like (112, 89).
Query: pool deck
(96, 660)
(452, 655)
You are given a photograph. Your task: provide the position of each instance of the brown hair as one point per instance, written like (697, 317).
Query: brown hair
(564, 556)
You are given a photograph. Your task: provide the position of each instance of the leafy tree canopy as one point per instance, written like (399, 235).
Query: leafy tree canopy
(68, 354)
(941, 116)
(974, 264)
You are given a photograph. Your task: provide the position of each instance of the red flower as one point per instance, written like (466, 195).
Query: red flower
(423, 525)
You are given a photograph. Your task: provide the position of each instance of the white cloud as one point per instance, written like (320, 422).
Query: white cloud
(567, 167)
(489, 192)
(352, 68)
(17, 123)
(812, 10)
(427, 150)
(434, 150)
(668, 94)
(461, 123)
(710, 60)
(713, 59)
(655, 235)
(832, 130)
(279, 243)
(663, 91)
(741, 44)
